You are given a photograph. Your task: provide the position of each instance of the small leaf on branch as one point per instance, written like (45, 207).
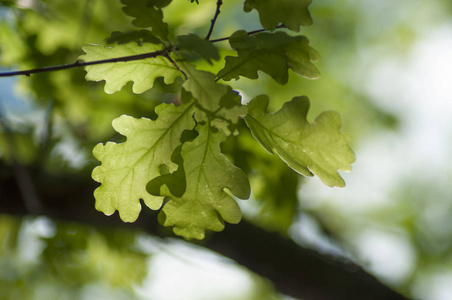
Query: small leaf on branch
(309, 148)
(138, 36)
(197, 46)
(291, 13)
(205, 205)
(203, 87)
(272, 53)
(142, 72)
(148, 14)
(127, 167)
(217, 104)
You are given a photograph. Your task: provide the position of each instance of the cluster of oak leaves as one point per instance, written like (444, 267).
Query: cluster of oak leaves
(176, 160)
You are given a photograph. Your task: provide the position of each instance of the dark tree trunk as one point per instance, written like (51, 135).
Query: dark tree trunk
(294, 271)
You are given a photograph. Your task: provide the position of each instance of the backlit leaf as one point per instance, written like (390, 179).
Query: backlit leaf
(226, 118)
(148, 14)
(291, 13)
(138, 36)
(127, 167)
(309, 148)
(205, 204)
(272, 53)
(142, 72)
(274, 186)
(203, 87)
(195, 45)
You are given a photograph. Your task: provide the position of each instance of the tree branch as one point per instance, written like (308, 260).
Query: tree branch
(295, 271)
(212, 22)
(79, 64)
(249, 33)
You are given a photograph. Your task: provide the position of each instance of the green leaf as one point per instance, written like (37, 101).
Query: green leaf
(274, 186)
(148, 13)
(309, 148)
(138, 36)
(205, 205)
(227, 117)
(291, 13)
(195, 45)
(223, 114)
(142, 72)
(272, 53)
(203, 87)
(127, 167)
(160, 3)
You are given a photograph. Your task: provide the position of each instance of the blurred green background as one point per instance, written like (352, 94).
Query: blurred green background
(386, 68)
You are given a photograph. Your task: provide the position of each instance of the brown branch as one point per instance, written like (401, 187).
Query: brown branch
(249, 33)
(212, 22)
(79, 64)
(294, 271)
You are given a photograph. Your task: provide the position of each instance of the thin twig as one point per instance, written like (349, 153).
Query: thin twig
(220, 40)
(249, 33)
(212, 22)
(174, 64)
(79, 64)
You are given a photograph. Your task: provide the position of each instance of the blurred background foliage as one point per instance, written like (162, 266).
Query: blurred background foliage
(41, 259)
(394, 218)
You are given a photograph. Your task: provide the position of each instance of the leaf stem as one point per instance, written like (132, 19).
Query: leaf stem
(175, 64)
(212, 22)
